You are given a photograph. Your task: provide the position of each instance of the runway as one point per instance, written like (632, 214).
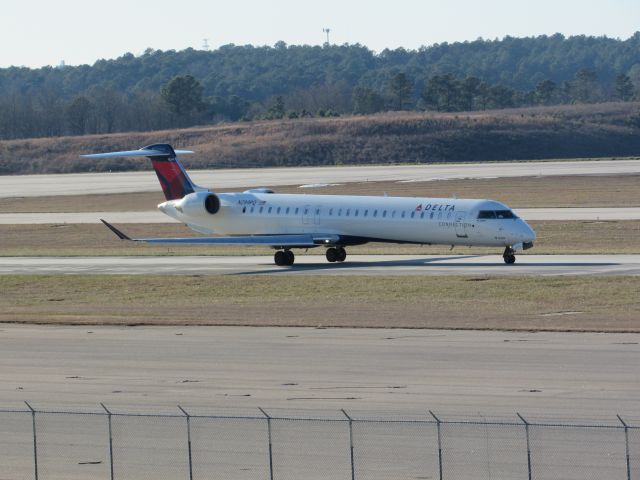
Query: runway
(384, 265)
(146, 181)
(584, 375)
(155, 216)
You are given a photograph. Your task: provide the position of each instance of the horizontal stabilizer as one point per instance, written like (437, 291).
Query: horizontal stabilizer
(136, 153)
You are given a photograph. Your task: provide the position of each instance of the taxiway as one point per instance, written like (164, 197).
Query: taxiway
(146, 181)
(384, 265)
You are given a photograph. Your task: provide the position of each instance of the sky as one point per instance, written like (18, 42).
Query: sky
(34, 33)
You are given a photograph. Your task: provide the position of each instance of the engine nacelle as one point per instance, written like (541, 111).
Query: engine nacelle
(199, 204)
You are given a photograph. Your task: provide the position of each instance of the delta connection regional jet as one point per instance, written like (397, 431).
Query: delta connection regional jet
(284, 221)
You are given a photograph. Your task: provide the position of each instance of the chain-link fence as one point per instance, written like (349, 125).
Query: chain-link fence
(187, 444)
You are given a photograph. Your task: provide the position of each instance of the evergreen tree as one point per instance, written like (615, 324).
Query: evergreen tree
(401, 89)
(441, 93)
(183, 95)
(545, 92)
(624, 89)
(366, 101)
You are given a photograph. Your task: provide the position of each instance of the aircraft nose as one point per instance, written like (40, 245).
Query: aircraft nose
(528, 233)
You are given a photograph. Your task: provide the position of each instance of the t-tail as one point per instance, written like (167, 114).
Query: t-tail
(174, 180)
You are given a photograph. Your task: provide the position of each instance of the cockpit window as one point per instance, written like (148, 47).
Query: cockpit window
(484, 214)
(499, 214)
(505, 214)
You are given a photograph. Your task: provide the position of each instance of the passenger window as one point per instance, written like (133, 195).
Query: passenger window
(252, 208)
(340, 212)
(261, 209)
(431, 216)
(287, 211)
(486, 214)
(317, 211)
(413, 214)
(347, 214)
(366, 212)
(422, 215)
(449, 215)
(297, 210)
(384, 214)
(355, 214)
(402, 216)
(244, 209)
(306, 211)
(331, 211)
(375, 213)
(270, 208)
(440, 216)
(278, 212)
(393, 214)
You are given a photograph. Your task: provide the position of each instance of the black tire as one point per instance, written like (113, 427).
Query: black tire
(509, 259)
(341, 254)
(331, 254)
(280, 258)
(289, 257)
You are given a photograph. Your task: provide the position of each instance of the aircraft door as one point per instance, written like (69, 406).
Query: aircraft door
(461, 229)
(307, 215)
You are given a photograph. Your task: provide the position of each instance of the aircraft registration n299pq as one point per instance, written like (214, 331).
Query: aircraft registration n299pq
(287, 221)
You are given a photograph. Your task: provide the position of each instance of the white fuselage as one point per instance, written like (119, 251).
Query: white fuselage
(356, 218)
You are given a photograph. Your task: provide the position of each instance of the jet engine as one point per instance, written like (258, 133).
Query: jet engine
(198, 204)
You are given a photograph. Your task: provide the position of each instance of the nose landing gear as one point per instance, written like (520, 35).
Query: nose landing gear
(509, 256)
(336, 254)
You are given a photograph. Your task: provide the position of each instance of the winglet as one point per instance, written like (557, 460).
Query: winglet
(120, 235)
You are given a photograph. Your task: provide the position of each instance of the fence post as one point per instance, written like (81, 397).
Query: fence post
(626, 442)
(188, 440)
(439, 442)
(35, 440)
(526, 429)
(270, 445)
(110, 439)
(353, 469)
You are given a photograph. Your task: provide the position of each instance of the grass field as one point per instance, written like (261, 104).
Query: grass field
(93, 239)
(562, 304)
(567, 191)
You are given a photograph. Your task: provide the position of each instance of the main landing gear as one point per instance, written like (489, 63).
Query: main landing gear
(284, 258)
(509, 256)
(336, 254)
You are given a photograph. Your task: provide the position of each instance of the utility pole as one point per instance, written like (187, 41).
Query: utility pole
(327, 30)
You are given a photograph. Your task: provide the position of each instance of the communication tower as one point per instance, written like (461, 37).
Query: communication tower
(327, 30)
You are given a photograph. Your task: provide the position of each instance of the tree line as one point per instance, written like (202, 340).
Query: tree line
(159, 90)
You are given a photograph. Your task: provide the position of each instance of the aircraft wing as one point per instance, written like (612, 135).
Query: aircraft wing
(285, 240)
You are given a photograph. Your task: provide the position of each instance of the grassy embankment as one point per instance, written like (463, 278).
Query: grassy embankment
(513, 303)
(567, 131)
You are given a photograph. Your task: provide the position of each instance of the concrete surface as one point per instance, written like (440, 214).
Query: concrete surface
(317, 265)
(584, 375)
(146, 181)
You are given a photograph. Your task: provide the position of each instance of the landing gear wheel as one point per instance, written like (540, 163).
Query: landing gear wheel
(509, 256)
(341, 254)
(284, 258)
(331, 254)
(289, 257)
(280, 258)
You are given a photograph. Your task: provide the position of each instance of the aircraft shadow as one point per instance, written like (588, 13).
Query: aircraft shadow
(417, 262)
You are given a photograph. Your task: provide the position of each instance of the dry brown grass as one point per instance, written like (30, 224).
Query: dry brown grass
(406, 137)
(88, 239)
(518, 192)
(582, 303)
